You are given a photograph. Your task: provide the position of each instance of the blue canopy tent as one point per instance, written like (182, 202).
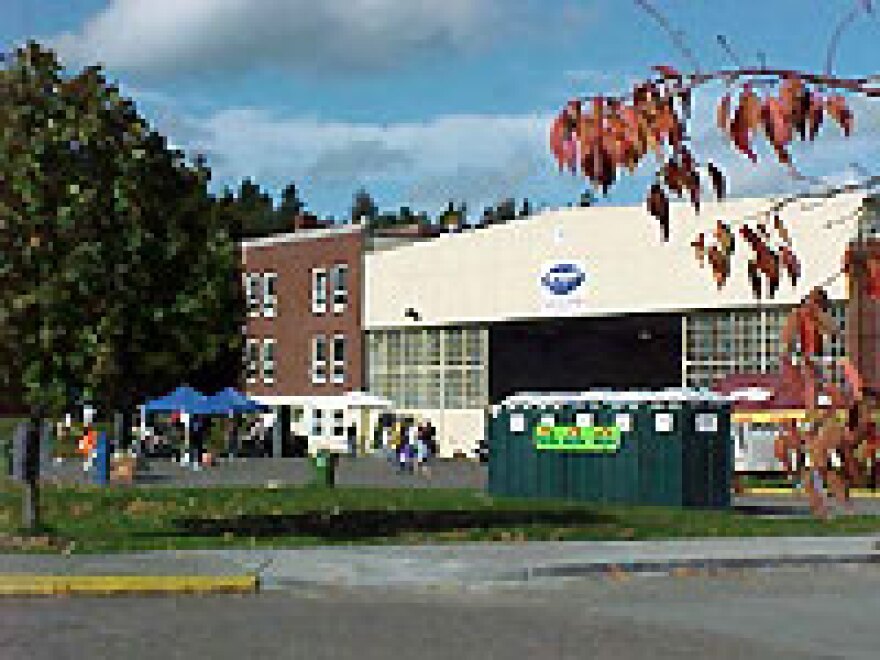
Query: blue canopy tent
(183, 399)
(231, 401)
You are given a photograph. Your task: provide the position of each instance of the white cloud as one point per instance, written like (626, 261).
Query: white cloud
(473, 158)
(167, 37)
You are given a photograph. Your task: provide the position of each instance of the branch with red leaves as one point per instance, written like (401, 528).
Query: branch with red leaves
(601, 137)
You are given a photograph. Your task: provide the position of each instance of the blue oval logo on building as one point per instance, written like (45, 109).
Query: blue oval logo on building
(563, 278)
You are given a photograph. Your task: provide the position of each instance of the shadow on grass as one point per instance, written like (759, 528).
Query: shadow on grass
(353, 525)
(794, 510)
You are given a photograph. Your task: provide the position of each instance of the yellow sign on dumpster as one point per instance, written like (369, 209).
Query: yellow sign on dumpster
(589, 439)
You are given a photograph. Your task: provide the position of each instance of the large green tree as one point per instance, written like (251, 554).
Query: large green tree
(117, 268)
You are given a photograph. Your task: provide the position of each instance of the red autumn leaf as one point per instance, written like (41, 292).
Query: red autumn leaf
(750, 108)
(852, 377)
(780, 228)
(808, 335)
(790, 330)
(658, 206)
(768, 263)
(751, 237)
(717, 180)
(699, 245)
(739, 133)
(776, 123)
(837, 108)
(569, 155)
(755, 279)
(816, 113)
(692, 183)
(724, 237)
(603, 168)
(687, 159)
(723, 115)
(794, 98)
(720, 266)
(790, 263)
(558, 135)
(672, 175)
(873, 274)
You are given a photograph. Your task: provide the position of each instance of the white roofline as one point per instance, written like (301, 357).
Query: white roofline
(300, 236)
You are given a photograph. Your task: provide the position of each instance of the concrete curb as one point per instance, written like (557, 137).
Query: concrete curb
(619, 569)
(106, 585)
(695, 565)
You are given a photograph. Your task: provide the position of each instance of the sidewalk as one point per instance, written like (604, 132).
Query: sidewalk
(470, 564)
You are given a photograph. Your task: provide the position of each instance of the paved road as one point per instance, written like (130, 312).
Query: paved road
(793, 614)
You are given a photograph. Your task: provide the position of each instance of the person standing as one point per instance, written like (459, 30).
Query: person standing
(412, 442)
(197, 442)
(422, 453)
(351, 436)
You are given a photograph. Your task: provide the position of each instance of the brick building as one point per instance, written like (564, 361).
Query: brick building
(303, 331)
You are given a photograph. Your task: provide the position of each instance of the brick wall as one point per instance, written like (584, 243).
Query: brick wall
(293, 258)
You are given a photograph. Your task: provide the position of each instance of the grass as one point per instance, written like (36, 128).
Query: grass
(119, 519)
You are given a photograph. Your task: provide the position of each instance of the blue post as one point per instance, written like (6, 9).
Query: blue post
(102, 461)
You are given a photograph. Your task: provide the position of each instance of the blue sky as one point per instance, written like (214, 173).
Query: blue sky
(421, 101)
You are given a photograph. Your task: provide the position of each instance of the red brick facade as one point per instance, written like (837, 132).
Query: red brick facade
(294, 257)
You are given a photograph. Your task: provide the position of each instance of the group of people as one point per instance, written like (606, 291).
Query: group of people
(409, 445)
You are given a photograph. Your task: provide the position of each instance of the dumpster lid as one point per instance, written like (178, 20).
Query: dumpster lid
(541, 399)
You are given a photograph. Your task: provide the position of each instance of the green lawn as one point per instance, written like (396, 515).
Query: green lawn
(88, 519)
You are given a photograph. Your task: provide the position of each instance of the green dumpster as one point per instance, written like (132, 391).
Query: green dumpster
(669, 448)
(324, 464)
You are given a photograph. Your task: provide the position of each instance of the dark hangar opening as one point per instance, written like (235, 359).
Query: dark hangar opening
(569, 355)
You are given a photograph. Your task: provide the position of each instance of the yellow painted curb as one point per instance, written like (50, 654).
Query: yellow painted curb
(50, 585)
(791, 491)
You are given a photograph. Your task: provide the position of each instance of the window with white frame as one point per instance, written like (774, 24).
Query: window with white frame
(252, 294)
(319, 359)
(319, 291)
(270, 296)
(317, 422)
(340, 287)
(268, 361)
(338, 423)
(251, 359)
(339, 359)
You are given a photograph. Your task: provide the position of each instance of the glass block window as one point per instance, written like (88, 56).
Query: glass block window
(430, 368)
(724, 342)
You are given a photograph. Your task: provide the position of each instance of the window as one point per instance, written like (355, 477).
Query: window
(251, 281)
(319, 359)
(268, 361)
(251, 359)
(339, 359)
(340, 287)
(269, 294)
(319, 291)
(317, 422)
(338, 424)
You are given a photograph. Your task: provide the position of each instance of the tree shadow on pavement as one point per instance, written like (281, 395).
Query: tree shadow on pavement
(365, 524)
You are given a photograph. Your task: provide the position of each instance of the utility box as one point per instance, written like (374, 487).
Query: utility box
(25, 452)
(670, 448)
